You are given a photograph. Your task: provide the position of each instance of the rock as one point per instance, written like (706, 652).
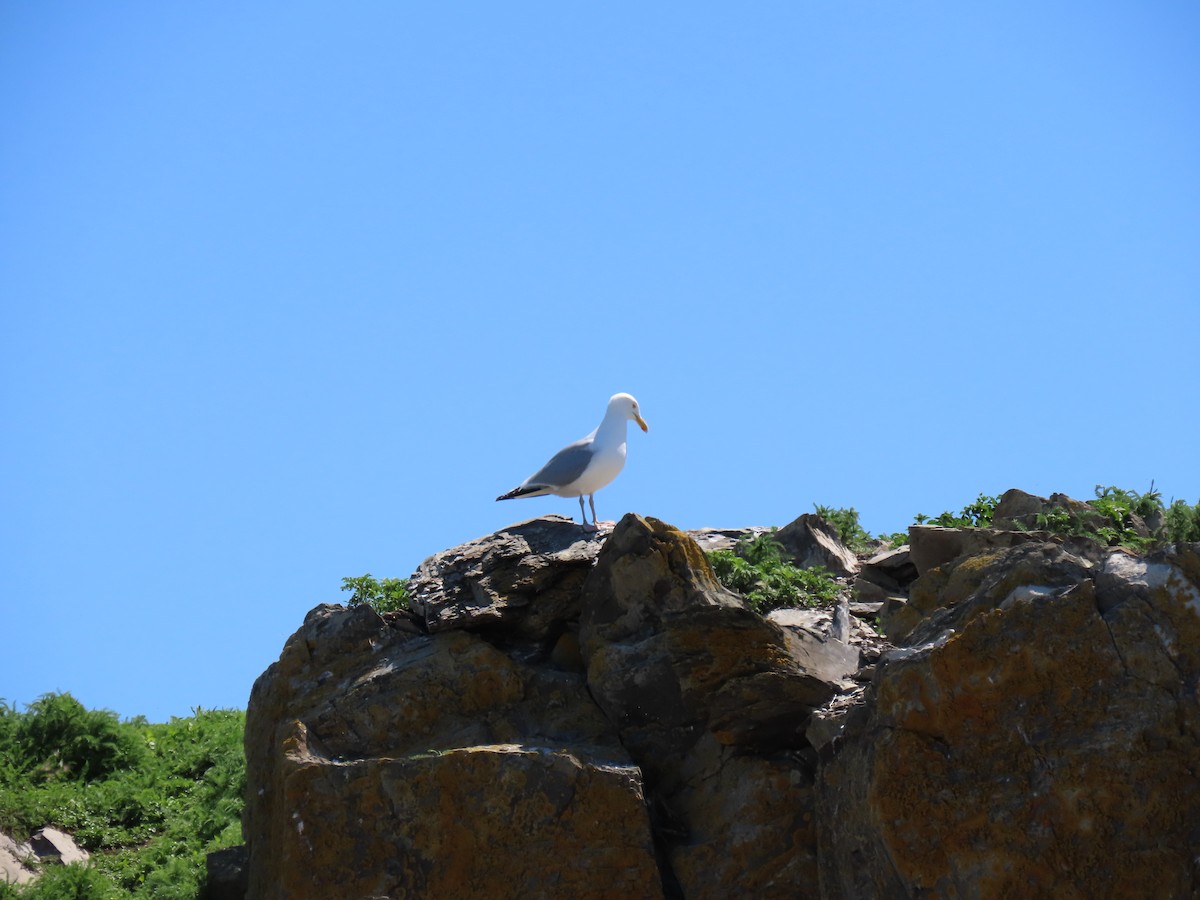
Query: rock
(599, 717)
(886, 574)
(958, 590)
(1038, 738)
(492, 582)
(710, 539)
(52, 845)
(228, 874)
(932, 546)
(811, 541)
(1018, 506)
(506, 820)
(712, 702)
(14, 861)
(374, 754)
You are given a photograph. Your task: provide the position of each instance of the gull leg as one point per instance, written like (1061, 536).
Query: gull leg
(583, 514)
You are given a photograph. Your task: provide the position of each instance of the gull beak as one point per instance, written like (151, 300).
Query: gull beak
(641, 422)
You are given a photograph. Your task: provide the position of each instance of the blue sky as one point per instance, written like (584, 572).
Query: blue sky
(292, 292)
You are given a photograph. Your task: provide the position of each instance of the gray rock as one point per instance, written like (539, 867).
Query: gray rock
(54, 845)
(492, 582)
(14, 859)
(811, 541)
(931, 545)
(710, 539)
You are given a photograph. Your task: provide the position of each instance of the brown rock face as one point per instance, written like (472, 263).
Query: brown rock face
(573, 716)
(1045, 745)
(381, 763)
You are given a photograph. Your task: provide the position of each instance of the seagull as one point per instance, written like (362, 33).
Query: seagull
(587, 465)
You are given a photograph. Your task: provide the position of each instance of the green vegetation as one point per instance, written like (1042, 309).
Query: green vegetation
(756, 569)
(148, 801)
(852, 534)
(975, 515)
(1117, 517)
(1182, 522)
(388, 595)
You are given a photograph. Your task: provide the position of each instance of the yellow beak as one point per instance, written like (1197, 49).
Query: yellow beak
(641, 422)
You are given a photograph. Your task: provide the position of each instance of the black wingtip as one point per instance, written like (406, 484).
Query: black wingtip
(522, 491)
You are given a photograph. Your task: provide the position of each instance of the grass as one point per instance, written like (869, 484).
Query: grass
(147, 801)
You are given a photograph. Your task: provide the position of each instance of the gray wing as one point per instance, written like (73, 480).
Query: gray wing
(565, 466)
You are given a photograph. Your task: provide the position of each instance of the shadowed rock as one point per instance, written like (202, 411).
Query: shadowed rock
(712, 702)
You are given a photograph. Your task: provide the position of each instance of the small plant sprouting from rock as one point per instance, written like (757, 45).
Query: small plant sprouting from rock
(382, 595)
(757, 570)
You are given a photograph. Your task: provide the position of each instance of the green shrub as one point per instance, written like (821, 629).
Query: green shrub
(59, 738)
(1182, 522)
(388, 595)
(74, 882)
(852, 534)
(148, 825)
(1111, 519)
(975, 515)
(757, 570)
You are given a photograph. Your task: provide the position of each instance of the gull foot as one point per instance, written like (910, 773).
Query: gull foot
(589, 527)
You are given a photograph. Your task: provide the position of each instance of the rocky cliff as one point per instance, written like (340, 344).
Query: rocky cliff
(565, 715)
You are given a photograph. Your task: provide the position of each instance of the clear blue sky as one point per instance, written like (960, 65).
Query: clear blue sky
(292, 291)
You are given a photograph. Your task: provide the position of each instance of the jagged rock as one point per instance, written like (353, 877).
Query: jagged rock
(710, 539)
(492, 582)
(886, 574)
(1038, 738)
(931, 546)
(13, 861)
(711, 701)
(811, 541)
(960, 587)
(52, 845)
(1017, 506)
(373, 755)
